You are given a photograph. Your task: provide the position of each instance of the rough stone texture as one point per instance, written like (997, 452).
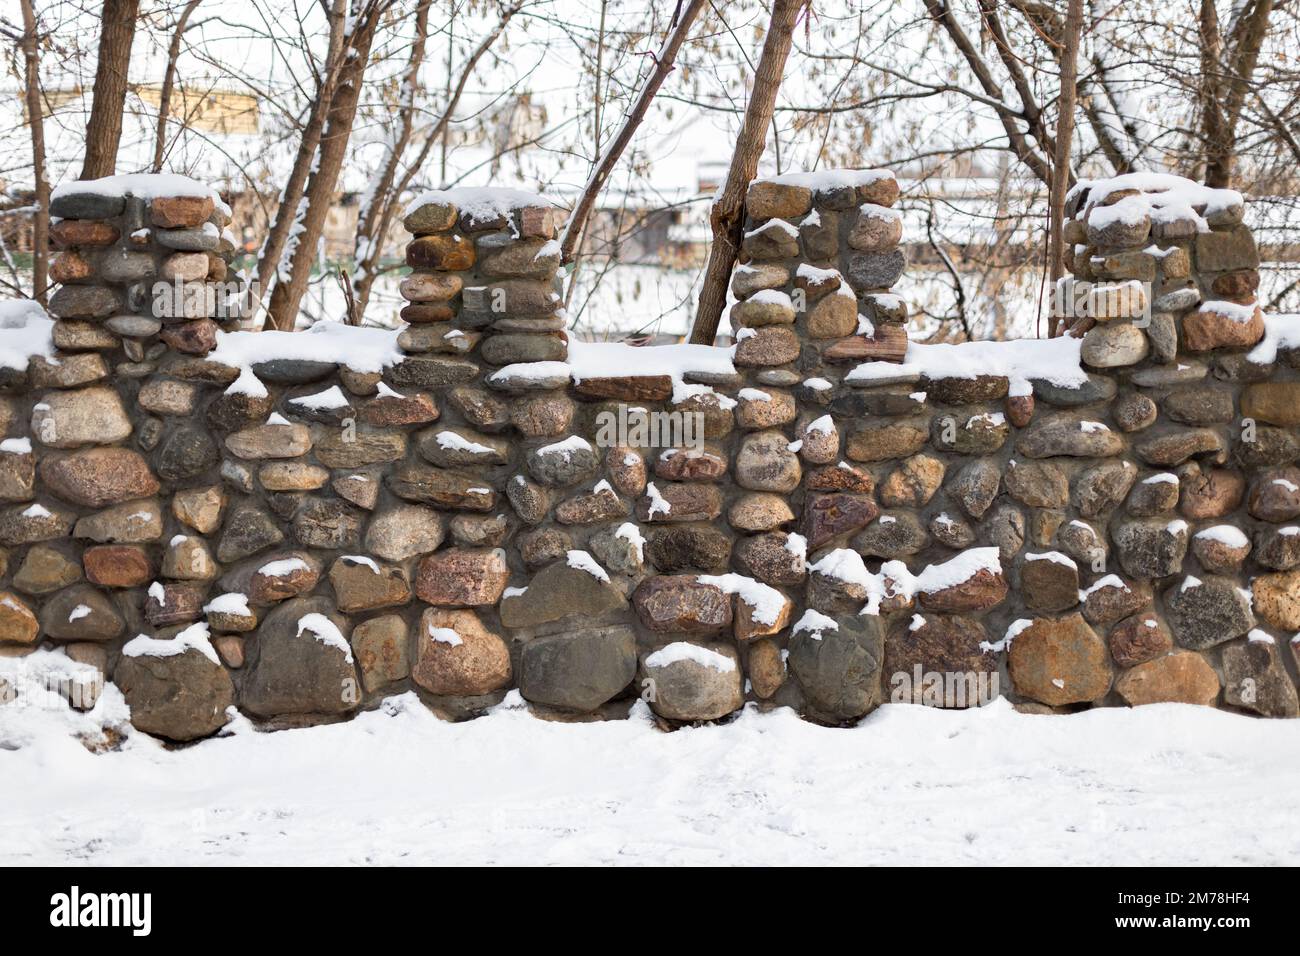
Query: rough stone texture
(1255, 678)
(1182, 677)
(132, 483)
(939, 644)
(456, 655)
(1059, 661)
(687, 690)
(180, 696)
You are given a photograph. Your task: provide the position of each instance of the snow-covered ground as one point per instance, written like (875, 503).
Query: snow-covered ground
(1166, 784)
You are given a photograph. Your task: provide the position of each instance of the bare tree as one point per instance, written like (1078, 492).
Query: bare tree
(377, 215)
(282, 312)
(104, 129)
(1069, 60)
(36, 120)
(727, 217)
(289, 210)
(1227, 68)
(663, 64)
(169, 82)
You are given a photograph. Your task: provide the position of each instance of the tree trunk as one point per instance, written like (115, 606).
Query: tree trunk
(169, 81)
(41, 217)
(727, 217)
(282, 313)
(663, 65)
(104, 130)
(1064, 136)
(286, 213)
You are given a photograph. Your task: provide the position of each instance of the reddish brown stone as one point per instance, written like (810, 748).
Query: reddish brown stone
(181, 602)
(680, 604)
(1211, 494)
(83, 232)
(387, 410)
(1236, 285)
(193, 338)
(628, 388)
(180, 212)
(1059, 661)
(888, 344)
(979, 592)
(831, 515)
(683, 465)
(1204, 331)
(687, 502)
(1183, 677)
(627, 470)
(447, 253)
(118, 565)
(99, 476)
(70, 267)
(462, 577)
(457, 656)
(841, 477)
(1139, 638)
(294, 578)
(424, 312)
(1020, 410)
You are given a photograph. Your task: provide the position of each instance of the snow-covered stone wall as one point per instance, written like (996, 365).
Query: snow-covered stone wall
(825, 516)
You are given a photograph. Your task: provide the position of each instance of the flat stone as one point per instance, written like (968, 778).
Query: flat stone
(683, 502)
(270, 441)
(773, 345)
(888, 441)
(327, 523)
(366, 585)
(357, 448)
(133, 522)
(685, 548)
(283, 576)
(86, 416)
(1066, 436)
(452, 447)
(875, 270)
(979, 592)
(98, 476)
(403, 531)
(1182, 677)
(681, 604)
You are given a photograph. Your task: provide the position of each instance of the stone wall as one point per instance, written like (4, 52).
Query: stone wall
(298, 525)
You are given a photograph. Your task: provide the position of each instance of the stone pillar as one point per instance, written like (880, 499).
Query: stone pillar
(142, 256)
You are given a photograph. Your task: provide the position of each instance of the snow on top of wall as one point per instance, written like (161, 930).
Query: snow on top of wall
(25, 331)
(766, 602)
(829, 178)
(1055, 360)
(480, 202)
(141, 185)
(1163, 196)
(615, 359)
(362, 350)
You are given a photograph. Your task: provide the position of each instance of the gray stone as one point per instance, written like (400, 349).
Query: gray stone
(1069, 436)
(578, 670)
(1096, 388)
(81, 613)
(891, 536)
(1103, 487)
(248, 530)
(1256, 679)
(766, 463)
(975, 487)
(179, 697)
(1205, 612)
(1150, 547)
(690, 682)
(299, 667)
(839, 669)
(557, 592)
(563, 463)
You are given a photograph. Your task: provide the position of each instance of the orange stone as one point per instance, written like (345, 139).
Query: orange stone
(180, 212)
(117, 566)
(83, 232)
(70, 267)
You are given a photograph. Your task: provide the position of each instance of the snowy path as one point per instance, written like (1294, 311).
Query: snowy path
(1161, 784)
